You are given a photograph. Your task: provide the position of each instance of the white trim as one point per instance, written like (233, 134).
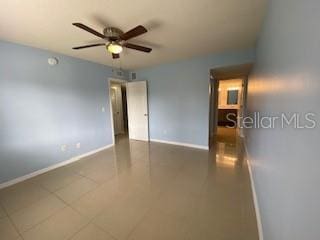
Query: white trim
(52, 167)
(254, 193)
(110, 102)
(181, 144)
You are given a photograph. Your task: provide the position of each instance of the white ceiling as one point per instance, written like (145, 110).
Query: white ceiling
(177, 28)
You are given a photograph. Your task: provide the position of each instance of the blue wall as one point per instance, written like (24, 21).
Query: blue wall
(43, 107)
(285, 162)
(179, 96)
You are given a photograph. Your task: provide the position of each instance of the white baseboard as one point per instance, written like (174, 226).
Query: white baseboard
(254, 193)
(181, 144)
(52, 167)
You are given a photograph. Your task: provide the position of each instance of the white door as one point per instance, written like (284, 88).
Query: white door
(116, 100)
(137, 102)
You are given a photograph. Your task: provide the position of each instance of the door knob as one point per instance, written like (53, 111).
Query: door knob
(145, 114)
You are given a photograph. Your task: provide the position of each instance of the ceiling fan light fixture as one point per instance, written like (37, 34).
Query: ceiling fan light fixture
(114, 48)
(115, 39)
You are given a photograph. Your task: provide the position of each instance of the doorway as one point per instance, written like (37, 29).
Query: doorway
(118, 108)
(227, 101)
(229, 107)
(129, 110)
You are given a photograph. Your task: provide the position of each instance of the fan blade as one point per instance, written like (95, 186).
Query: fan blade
(114, 55)
(88, 29)
(137, 47)
(88, 46)
(134, 32)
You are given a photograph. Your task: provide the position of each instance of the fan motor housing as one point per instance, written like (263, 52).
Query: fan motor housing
(112, 33)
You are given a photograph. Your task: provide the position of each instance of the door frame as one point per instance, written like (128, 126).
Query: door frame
(214, 105)
(121, 81)
(241, 71)
(213, 109)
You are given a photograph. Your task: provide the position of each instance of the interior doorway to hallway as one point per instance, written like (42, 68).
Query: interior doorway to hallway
(129, 109)
(118, 107)
(230, 105)
(228, 88)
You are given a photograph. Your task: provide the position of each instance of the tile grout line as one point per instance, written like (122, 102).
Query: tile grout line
(36, 185)
(16, 211)
(45, 219)
(92, 219)
(68, 205)
(55, 193)
(11, 221)
(52, 191)
(138, 223)
(149, 210)
(89, 220)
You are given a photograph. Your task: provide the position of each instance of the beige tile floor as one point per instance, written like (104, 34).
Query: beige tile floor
(136, 191)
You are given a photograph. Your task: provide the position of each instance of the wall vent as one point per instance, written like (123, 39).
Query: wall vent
(117, 73)
(133, 76)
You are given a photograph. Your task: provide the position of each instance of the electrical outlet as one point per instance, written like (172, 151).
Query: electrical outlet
(78, 145)
(103, 109)
(64, 148)
(165, 132)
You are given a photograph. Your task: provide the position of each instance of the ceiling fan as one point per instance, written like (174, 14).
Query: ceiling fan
(115, 39)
